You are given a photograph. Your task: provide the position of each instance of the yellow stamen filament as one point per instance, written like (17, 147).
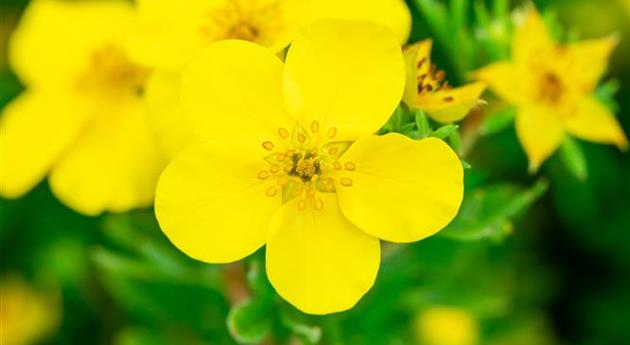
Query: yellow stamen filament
(267, 145)
(271, 191)
(346, 181)
(283, 133)
(315, 127)
(349, 166)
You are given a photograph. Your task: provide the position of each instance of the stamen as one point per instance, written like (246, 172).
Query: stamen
(337, 165)
(263, 174)
(302, 205)
(267, 145)
(346, 181)
(315, 127)
(281, 157)
(439, 76)
(429, 88)
(274, 169)
(301, 138)
(333, 150)
(283, 133)
(332, 132)
(448, 99)
(319, 204)
(349, 166)
(271, 191)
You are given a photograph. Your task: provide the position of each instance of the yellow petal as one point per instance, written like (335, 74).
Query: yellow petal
(54, 40)
(594, 122)
(167, 36)
(317, 260)
(35, 129)
(345, 74)
(233, 90)
(589, 60)
(417, 62)
(113, 165)
(211, 204)
(165, 114)
(532, 42)
(540, 131)
(401, 190)
(393, 14)
(451, 105)
(508, 81)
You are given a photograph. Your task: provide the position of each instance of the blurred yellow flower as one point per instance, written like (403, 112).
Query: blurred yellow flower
(427, 90)
(290, 161)
(81, 118)
(26, 316)
(168, 35)
(552, 86)
(446, 326)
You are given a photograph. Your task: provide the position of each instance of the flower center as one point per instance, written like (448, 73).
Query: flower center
(305, 163)
(250, 20)
(550, 88)
(109, 70)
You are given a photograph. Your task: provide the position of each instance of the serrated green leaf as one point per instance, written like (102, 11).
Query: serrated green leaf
(488, 213)
(573, 158)
(250, 321)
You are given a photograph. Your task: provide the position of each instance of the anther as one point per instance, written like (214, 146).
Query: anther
(271, 191)
(283, 133)
(301, 138)
(429, 88)
(349, 166)
(274, 169)
(267, 145)
(281, 157)
(263, 174)
(448, 99)
(346, 181)
(333, 150)
(302, 205)
(319, 204)
(337, 165)
(439, 76)
(332, 132)
(315, 127)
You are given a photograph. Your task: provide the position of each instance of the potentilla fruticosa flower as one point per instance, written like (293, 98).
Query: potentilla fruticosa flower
(167, 37)
(552, 85)
(81, 119)
(289, 160)
(427, 89)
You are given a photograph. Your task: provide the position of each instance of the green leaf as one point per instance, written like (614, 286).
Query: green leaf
(444, 131)
(257, 276)
(299, 324)
(250, 321)
(573, 158)
(606, 92)
(498, 121)
(488, 213)
(422, 123)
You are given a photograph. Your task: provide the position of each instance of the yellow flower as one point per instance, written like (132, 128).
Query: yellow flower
(26, 316)
(290, 161)
(446, 326)
(426, 89)
(81, 118)
(552, 86)
(169, 35)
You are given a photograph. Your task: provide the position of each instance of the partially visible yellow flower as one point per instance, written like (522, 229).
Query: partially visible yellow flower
(552, 85)
(26, 316)
(427, 90)
(170, 34)
(442, 325)
(81, 118)
(290, 161)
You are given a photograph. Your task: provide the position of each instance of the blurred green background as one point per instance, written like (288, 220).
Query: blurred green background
(532, 260)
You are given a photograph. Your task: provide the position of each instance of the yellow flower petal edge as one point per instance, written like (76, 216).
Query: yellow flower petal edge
(594, 122)
(451, 105)
(402, 190)
(318, 260)
(353, 84)
(31, 140)
(540, 132)
(211, 204)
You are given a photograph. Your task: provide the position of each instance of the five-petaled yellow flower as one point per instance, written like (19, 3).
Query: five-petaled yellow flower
(81, 118)
(290, 161)
(552, 86)
(168, 36)
(427, 90)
